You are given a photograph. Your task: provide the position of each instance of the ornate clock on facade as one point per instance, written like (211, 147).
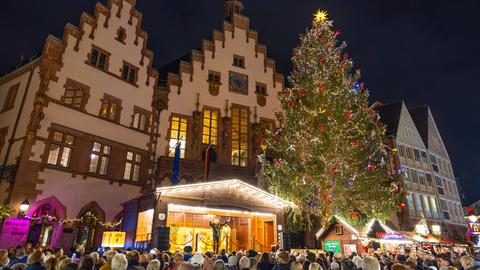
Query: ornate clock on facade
(238, 82)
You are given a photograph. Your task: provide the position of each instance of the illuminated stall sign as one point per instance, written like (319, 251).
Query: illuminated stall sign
(113, 239)
(390, 236)
(474, 228)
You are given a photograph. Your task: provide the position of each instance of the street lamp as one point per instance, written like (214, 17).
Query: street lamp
(23, 207)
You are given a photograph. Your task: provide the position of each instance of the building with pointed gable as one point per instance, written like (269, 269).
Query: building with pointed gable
(426, 170)
(223, 95)
(77, 130)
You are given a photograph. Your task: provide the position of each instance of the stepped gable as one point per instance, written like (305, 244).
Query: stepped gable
(185, 65)
(54, 47)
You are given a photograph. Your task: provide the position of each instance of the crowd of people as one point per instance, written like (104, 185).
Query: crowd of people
(28, 258)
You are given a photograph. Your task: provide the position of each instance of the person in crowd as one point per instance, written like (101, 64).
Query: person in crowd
(35, 261)
(50, 263)
(309, 258)
(370, 263)
(219, 265)
(108, 260)
(297, 265)
(358, 261)
(70, 266)
(348, 264)
(198, 260)
(314, 266)
(232, 263)
(119, 262)
(185, 266)
(282, 261)
(79, 251)
(468, 263)
(429, 263)
(238, 255)
(187, 253)
(443, 261)
(19, 266)
(399, 266)
(58, 253)
(86, 262)
(96, 260)
(20, 256)
(64, 260)
(154, 265)
(410, 265)
(223, 256)
(176, 261)
(244, 263)
(133, 258)
(265, 262)
(4, 259)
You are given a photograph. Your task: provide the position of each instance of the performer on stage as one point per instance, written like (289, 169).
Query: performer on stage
(216, 232)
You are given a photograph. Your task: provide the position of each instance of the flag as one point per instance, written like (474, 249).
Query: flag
(207, 161)
(176, 165)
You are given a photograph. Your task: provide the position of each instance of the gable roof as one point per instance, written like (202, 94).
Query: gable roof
(390, 116)
(420, 118)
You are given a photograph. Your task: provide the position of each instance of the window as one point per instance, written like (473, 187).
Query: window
(240, 137)
(429, 179)
(407, 132)
(338, 229)
(239, 61)
(413, 175)
(418, 203)
(99, 58)
(438, 180)
(434, 161)
(421, 178)
(401, 151)
(433, 203)
(132, 166)
(416, 154)
(178, 134)
(238, 83)
(447, 186)
(99, 159)
(121, 35)
(443, 205)
(213, 76)
(411, 207)
(10, 99)
(408, 150)
(261, 89)
(426, 206)
(141, 119)
(406, 178)
(60, 151)
(129, 73)
(76, 94)
(110, 108)
(423, 155)
(3, 137)
(210, 127)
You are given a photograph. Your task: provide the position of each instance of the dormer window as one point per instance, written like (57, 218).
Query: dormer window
(239, 61)
(121, 35)
(99, 58)
(213, 77)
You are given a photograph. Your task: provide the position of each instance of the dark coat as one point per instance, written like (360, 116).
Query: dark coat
(281, 266)
(36, 266)
(265, 266)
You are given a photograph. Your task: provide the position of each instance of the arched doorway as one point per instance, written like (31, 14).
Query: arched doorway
(45, 228)
(88, 230)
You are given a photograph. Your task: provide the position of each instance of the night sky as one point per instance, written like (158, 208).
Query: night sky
(424, 52)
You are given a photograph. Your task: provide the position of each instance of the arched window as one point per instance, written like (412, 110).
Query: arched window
(88, 230)
(41, 231)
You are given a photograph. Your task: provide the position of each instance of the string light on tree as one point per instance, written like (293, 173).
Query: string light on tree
(329, 141)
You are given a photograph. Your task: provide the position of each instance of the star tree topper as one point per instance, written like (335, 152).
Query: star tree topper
(320, 16)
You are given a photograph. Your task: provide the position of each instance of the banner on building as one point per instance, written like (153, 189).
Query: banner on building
(14, 232)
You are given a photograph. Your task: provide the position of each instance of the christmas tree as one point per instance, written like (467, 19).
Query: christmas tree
(328, 155)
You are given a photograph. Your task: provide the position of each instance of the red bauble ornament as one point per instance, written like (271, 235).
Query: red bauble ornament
(277, 161)
(401, 205)
(470, 210)
(323, 127)
(291, 105)
(338, 33)
(347, 115)
(362, 86)
(301, 93)
(277, 138)
(345, 56)
(356, 143)
(323, 60)
(321, 87)
(354, 214)
(334, 170)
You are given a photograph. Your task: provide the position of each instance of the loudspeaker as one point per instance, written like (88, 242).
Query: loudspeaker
(163, 238)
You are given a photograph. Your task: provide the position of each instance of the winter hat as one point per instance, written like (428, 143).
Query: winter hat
(197, 260)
